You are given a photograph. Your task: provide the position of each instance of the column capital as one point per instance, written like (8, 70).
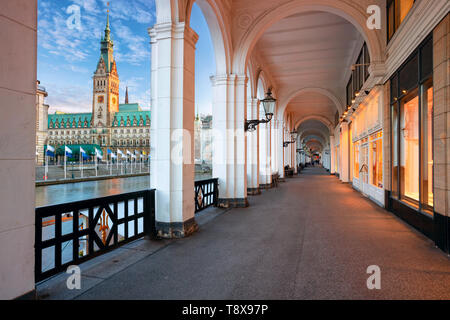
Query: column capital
(167, 30)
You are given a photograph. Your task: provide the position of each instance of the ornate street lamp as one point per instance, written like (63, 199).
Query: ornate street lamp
(293, 137)
(269, 106)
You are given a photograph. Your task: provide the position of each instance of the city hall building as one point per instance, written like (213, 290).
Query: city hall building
(110, 125)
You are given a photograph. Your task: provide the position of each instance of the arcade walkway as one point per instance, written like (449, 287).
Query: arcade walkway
(311, 238)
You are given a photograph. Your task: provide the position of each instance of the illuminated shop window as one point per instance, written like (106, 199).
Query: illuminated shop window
(409, 146)
(412, 130)
(356, 157)
(376, 146)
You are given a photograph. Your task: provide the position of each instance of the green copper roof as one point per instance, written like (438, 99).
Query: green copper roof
(131, 118)
(128, 107)
(106, 47)
(69, 120)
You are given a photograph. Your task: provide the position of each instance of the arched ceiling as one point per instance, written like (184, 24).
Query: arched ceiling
(314, 133)
(312, 103)
(313, 48)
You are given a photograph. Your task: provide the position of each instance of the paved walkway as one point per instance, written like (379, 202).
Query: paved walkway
(311, 238)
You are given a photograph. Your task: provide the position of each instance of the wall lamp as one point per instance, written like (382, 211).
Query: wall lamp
(293, 136)
(354, 66)
(269, 106)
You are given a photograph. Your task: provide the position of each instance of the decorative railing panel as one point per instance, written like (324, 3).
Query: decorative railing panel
(206, 194)
(71, 233)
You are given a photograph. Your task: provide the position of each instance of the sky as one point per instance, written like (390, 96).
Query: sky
(69, 50)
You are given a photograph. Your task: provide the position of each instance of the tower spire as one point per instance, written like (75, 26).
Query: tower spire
(126, 96)
(107, 29)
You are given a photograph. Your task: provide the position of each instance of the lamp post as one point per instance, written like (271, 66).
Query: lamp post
(294, 135)
(269, 106)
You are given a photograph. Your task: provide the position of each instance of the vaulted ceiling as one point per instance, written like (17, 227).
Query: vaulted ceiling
(310, 50)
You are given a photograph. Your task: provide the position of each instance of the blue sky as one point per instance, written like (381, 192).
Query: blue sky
(67, 58)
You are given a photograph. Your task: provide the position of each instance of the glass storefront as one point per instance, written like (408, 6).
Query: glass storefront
(376, 145)
(412, 130)
(356, 160)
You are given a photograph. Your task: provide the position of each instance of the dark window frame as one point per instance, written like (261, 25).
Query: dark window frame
(395, 103)
(395, 12)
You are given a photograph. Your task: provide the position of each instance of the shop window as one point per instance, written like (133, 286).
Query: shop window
(427, 145)
(356, 160)
(409, 147)
(377, 160)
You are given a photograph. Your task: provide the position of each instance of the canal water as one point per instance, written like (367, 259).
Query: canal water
(63, 193)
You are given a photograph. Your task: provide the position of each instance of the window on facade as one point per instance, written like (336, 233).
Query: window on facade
(359, 75)
(356, 160)
(376, 146)
(397, 10)
(412, 128)
(409, 146)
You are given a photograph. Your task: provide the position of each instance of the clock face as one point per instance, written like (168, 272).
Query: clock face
(101, 99)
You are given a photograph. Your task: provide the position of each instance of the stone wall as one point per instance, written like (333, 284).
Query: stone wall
(441, 83)
(18, 36)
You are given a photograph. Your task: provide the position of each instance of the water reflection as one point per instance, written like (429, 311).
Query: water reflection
(63, 193)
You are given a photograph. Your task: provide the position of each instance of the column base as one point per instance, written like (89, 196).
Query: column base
(441, 232)
(232, 203)
(32, 295)
(176, 230)
(266, 186)
(253, 191)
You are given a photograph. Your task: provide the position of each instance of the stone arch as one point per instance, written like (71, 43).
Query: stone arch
(319, 118)
(213, 11)
(330, 95)
(355, 14)
(261, 84)
(313, 133)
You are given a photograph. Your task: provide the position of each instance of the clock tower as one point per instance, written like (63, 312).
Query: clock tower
(105, 84)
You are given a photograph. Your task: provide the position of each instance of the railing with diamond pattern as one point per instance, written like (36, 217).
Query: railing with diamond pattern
(206, 194)
(71, 233)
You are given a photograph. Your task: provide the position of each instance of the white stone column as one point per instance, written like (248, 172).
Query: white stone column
(280, 148)
(18, 57)
(230, 148)
(274, 146)
(172, 128)
(332, 155)
(344, 148)
(253, 150)
(293, 147)
(265, 169)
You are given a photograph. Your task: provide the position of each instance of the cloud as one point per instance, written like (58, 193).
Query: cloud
(69, 97)
(132, 48)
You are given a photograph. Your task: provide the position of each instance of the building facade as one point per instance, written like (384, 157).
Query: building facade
(110, 125)
(41, 122)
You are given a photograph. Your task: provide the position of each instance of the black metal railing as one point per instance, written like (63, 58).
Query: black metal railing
(71, 233)
(206, 194)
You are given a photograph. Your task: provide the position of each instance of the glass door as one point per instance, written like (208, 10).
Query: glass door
(364, 168)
